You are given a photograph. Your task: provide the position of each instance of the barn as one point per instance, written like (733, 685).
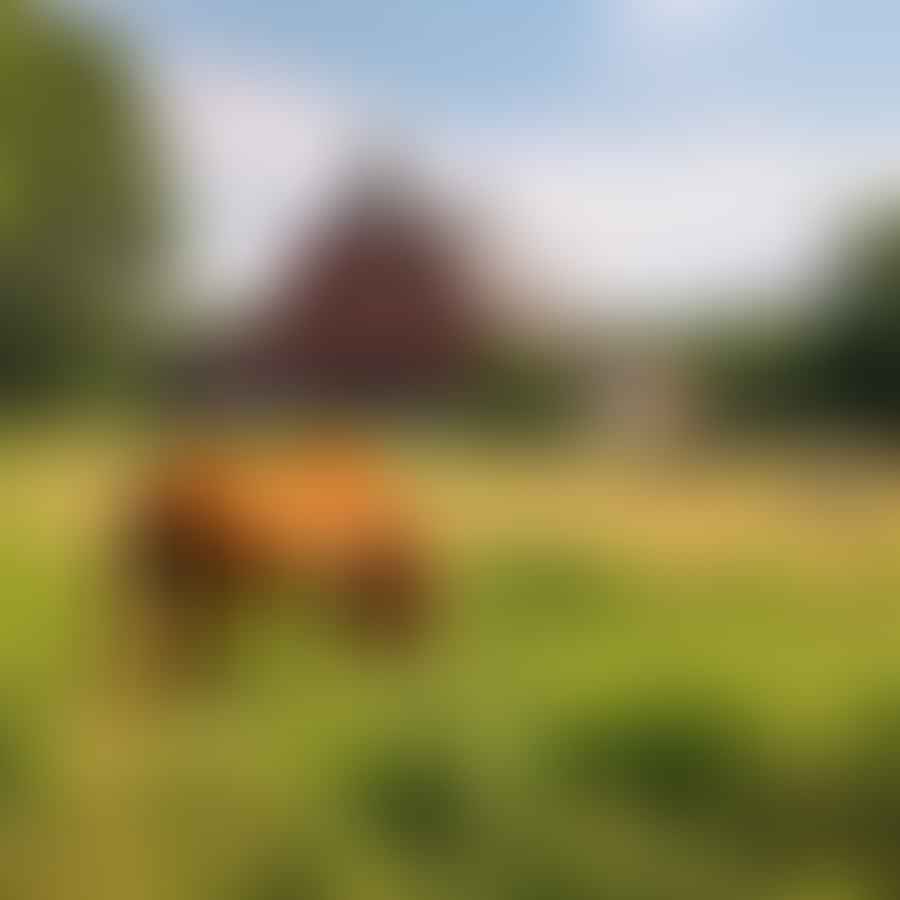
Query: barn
(383, 306)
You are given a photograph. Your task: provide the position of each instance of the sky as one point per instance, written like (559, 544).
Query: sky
(640, 151)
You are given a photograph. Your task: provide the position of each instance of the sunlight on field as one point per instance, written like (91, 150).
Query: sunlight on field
(691, 661)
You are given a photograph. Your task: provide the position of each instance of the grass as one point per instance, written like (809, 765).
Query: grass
(654, 681)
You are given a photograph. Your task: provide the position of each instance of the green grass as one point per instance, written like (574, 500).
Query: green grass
(605, 714)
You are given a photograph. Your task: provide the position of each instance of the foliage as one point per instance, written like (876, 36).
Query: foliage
(763, 377)
(838, 362)
(77, 203)
(519, 392)
(679, 757)
(417, 794)
(860, 362)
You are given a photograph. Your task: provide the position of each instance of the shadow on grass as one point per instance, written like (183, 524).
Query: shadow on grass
(678, 757)
(415, 794)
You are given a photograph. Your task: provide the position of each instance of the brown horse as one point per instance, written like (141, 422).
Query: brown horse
(213, 524)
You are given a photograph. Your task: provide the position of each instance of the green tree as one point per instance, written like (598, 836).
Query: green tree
(838, 362)
(78, 216)
(860, 359)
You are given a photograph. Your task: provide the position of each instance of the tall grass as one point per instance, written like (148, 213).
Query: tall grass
(601, 716)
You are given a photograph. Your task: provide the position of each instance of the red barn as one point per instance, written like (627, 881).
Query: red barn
(383, 305)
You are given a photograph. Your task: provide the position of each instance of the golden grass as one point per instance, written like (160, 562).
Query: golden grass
(804, 510)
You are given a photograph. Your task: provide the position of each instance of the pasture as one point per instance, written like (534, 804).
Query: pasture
(654, 680)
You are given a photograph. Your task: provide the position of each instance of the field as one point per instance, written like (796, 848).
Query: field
(656, 679)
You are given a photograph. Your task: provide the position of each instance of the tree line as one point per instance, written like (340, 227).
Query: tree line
(82, 237)
(80, 210)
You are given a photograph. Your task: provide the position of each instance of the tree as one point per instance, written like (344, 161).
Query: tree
(860, 363)
(78, 225)
(837, 363)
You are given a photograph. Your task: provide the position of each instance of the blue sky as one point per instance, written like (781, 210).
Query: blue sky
(468, 57)
(610, 61)
(636, 146)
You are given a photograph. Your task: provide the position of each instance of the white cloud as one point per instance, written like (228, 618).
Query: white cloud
(258, 152)
(596, 219)
(253, 154)
(678, 219)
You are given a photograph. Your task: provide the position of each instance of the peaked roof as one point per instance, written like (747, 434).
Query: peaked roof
(383, 297)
